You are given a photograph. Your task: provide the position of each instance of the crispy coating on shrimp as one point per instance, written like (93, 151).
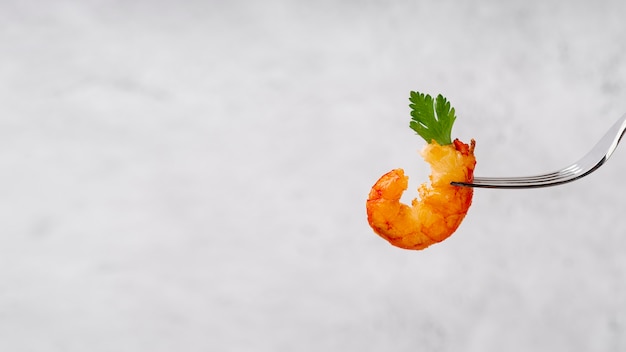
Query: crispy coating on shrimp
(441, 207)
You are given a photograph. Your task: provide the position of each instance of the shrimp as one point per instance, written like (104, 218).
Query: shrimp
(441, 207)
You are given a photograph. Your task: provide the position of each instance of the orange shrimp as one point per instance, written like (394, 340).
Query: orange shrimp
(441, 207)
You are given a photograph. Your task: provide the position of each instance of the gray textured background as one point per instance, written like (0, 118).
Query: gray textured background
(192, 176)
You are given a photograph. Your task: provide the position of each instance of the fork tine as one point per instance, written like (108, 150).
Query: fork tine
(571, 172)
(545, 177)
(524, 178)
(537, 178)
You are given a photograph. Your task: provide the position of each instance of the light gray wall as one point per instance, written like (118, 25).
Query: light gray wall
(192, 176)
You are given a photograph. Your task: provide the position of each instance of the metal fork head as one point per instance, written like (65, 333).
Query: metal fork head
(596, 157)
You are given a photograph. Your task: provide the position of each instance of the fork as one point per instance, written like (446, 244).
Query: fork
(583, 167)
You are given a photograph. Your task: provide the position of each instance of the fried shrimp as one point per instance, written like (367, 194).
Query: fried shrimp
(441, 207)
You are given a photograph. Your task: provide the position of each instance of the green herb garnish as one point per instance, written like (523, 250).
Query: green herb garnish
(431, 119)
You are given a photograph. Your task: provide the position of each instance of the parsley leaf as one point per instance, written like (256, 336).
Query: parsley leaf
(431, 119)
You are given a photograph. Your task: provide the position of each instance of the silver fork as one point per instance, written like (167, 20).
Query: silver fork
(583, 167)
